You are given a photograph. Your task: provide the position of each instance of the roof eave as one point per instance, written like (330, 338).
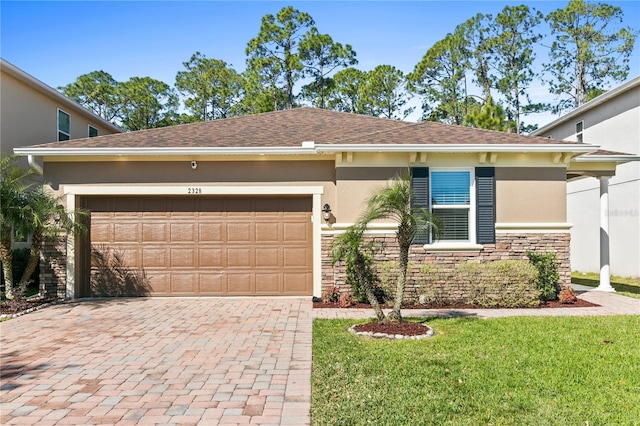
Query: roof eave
(307, 150)
(620, 159)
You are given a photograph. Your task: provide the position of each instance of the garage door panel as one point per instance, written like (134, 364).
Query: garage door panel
(295, 257)
(240, 283)
(183, 232)
(267, 257)
(212, 232)
(295, 232)
(160, 282)
(268, 231)
(213, 284)
(296, 283)
(186, 284)
(126, 232)
(239, 257)
(182, 258)
(211, 257)
(210, 245)
(268, 283)
(239, 232)
(154, 232)
(155, 257)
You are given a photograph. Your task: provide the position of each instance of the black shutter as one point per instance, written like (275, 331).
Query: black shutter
(420, 189)
(486, 205)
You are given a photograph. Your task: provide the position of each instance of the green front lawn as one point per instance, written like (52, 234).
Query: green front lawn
(506, 371)
(625, 286)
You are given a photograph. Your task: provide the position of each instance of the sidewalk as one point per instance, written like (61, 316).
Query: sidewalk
(610, 304)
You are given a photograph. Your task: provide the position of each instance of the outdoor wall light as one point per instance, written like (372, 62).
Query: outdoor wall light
(326, 212)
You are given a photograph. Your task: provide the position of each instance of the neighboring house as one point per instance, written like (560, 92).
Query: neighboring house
(32, 112)
(236, 206)
(611, 121)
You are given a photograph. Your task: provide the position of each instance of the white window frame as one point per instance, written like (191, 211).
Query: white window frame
(19, 244)
(68, 134)
(89, 127)
(471, 206)
(580, 134)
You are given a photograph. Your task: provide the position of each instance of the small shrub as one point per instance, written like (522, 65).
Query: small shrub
(508, 283)
(331, 294)
(567, 296)
(548, 275)
(346, 300)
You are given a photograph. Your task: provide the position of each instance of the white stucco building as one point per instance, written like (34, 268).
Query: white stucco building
(611, 121)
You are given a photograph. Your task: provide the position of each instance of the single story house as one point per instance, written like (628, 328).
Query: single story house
(250, 205)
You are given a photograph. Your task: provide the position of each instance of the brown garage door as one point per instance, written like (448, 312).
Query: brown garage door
(209, 246)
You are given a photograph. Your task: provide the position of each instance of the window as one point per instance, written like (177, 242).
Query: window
(451, 202)
(64, 126)
(579, 128)
(93, 132)
(463, 199)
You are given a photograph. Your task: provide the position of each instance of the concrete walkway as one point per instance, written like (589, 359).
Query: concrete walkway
(207, 361)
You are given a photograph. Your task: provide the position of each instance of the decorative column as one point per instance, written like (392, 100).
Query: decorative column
(605, 270)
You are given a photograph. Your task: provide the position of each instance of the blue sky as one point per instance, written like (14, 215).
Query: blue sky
(58, 41)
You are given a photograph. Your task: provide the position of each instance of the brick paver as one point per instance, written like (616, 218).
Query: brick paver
(159, 361)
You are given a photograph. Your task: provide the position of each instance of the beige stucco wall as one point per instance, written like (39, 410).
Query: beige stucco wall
(29, 116)
(243, 173)
(530, 195)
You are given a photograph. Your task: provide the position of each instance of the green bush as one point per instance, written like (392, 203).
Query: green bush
(548, 275)
(506, 283)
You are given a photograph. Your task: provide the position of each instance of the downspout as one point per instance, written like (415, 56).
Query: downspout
(34, 165)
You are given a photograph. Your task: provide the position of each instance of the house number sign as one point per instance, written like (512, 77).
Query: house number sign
(194, 190)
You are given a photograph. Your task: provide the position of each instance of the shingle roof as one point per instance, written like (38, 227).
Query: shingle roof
(289, 128)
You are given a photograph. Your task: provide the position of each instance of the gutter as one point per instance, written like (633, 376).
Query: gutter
(308, 149)
(34, 165)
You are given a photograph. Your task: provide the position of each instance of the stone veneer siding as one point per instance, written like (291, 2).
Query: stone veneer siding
(507, 247)
(53, 268)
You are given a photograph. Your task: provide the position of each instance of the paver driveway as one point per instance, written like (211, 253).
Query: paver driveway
(159, 361)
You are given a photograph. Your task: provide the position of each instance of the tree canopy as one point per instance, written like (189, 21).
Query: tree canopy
(484, 67)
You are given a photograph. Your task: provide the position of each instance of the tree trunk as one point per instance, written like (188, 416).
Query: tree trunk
(395, 315)
(34, 259)
(6, 255)
(368, 289)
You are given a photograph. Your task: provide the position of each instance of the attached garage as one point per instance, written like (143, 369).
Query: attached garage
(208, 245)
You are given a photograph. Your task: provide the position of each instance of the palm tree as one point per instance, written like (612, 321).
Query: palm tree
(30, 210)
(47, 218)
(351, 248)
(394, 202)
(13, 212)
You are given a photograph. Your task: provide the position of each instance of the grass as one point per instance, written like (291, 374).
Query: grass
(506, 371)
(624, 286)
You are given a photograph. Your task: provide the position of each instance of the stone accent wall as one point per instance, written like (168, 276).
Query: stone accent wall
(507, 247)
(53, 272)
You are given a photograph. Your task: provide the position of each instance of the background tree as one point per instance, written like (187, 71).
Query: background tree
(276, 48)
(345, 93)
(513, 58)
(147, 103)
(476, 49)
(383, 93)
(321, 56)
(440, 78)
(588, 51)
(488, 116)
(96, 91)
(212, 89)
